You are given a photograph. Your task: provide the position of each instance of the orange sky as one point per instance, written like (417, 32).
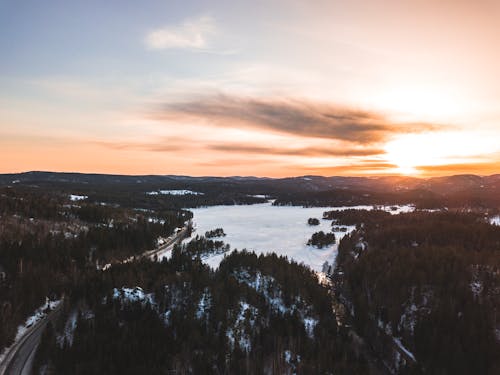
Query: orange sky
(276, 88)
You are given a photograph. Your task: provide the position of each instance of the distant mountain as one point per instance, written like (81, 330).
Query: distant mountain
(311, 183)
(457, 190)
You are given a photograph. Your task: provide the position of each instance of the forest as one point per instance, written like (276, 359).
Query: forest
(414, 293)
(429, 282)
(48, 243)
(254, 315)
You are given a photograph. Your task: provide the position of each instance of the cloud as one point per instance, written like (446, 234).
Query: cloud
(349, 169)
(166, 145)
(293, 116)
(190, 34)
(174, 144)
(306, 151)
(484, 168)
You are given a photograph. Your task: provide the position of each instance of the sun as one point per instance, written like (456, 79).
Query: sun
(411, 151)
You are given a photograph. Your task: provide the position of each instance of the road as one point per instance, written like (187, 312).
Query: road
(169, 244)
(19, 359)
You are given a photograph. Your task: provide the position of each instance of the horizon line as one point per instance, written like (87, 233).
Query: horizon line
(376, 176)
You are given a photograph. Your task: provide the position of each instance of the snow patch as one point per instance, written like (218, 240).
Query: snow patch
(476, 287)
(69, 329)
(238, 332)
(270, 289)
(309, 325)
(74, 198)
(174, 192)
(156, 220)
(291, 360)
(495, 220)
(397, 341)
(262, 196)
(132, 295)
(204, 305)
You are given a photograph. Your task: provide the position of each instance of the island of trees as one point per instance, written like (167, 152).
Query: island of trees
(321, 239)
(218, 232)
(312, 221)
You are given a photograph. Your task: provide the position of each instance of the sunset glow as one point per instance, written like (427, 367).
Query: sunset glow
(274, 89)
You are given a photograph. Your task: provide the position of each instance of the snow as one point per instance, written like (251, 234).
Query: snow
(38, 315)
(476, 284)
(271, 291)
(204, 304)
(264, 284)
(166, 317)
(69, 329)
(155, 220)
(292, 360)
(408, 319)
(214, 261)
(476, 287)
(495, 220)
(397, 341)
(395, 209)
(174, 192)
(265, 228)
(74, 197)
(237, 332)
(131, 295)
(309, 325)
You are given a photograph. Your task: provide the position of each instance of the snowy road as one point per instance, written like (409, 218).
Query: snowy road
(19, 359)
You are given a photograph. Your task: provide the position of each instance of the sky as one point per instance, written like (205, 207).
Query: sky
(264, 88)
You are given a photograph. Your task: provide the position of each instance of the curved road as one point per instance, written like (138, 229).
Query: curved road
(19, 359)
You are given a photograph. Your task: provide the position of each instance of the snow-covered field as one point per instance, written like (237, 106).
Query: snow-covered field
(174, 192)
(265, 228)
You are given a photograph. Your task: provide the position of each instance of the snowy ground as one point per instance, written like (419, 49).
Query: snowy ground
(266, 228)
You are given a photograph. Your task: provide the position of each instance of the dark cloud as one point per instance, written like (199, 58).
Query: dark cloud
(306, 151)
(173, 145)
(298, 117)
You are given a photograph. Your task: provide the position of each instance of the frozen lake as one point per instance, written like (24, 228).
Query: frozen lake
(265, 228)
